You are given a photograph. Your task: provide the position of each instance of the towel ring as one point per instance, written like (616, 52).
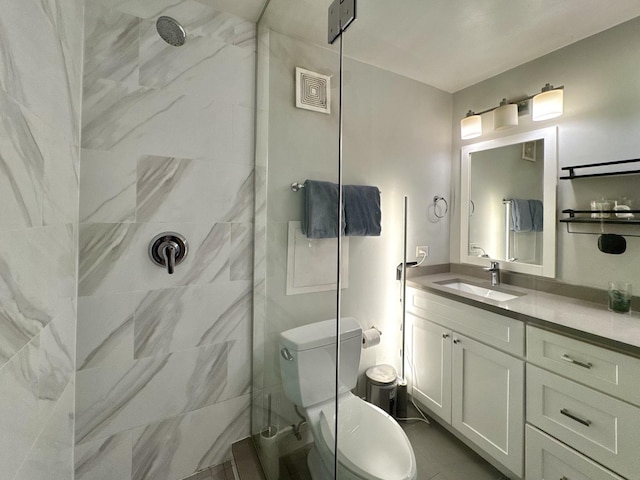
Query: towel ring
(437, 199)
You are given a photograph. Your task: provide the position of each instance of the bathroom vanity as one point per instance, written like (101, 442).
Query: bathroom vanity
(543, 386)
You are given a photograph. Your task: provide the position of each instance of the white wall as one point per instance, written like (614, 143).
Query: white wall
(600, 123)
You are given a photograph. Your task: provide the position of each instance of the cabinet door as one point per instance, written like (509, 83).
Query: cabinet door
(431, 357)
(488, 400)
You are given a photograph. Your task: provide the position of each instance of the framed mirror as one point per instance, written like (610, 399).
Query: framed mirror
(508, 202)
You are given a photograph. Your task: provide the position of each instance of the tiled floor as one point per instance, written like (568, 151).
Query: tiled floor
(439, 456)
(219, 472)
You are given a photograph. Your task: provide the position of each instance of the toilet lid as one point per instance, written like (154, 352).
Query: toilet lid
(371, 444)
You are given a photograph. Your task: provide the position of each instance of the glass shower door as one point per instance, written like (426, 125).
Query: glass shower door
(295, 277)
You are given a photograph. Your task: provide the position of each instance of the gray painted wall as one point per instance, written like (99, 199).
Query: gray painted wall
(397, 137)
(600, 123)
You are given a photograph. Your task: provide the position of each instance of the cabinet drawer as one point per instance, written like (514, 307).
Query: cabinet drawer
(599, 426)
(496, 330)
(548, 459)
(608, 371)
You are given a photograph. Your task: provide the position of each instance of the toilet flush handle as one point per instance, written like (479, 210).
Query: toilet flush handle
(286, 354)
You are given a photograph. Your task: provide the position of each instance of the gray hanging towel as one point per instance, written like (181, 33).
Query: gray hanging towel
(536, 208)
(362, 210)
(320, 217)
(521, 220)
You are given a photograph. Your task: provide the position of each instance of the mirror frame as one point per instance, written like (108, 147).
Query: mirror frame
(550, 179)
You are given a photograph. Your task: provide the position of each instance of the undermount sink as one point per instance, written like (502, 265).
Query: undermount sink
(483, 292)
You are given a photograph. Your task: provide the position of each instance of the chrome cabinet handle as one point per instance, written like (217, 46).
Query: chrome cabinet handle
(567, 413)
(567, 358)
(457, 341)
(445, 335)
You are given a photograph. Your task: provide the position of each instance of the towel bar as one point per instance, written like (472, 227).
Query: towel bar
(296, 186)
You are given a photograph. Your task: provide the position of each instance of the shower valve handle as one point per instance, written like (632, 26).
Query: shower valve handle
(169, 255)
(168, 250)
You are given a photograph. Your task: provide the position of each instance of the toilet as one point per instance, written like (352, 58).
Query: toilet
(371, 444)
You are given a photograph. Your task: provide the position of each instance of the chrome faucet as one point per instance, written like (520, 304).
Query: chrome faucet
(494, 269)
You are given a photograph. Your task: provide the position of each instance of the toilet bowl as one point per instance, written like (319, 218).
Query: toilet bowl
(371, 444)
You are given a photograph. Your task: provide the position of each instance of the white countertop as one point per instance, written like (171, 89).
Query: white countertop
(579, 317)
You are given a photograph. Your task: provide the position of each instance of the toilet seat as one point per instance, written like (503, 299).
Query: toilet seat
(371, 444)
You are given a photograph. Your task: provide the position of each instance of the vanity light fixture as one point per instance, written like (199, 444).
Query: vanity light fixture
(545, 105)
(505, 116)
(470, 126)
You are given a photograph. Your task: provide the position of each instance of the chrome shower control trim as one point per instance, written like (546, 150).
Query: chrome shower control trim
(168, 249)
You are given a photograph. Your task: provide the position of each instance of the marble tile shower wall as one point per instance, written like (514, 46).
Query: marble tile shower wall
(40, 93)
(167, 145)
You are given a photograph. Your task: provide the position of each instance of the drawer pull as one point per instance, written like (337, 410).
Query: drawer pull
(567, 413)
(567, 358)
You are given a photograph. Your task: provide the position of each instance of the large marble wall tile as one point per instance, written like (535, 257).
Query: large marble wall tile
(207, 261)
(35, 69)
(19, 410)
(242, 209)
(105, 258)
(108, 187)
(22, 166)
(180, 446)
(128, 120)
(37, 277)
(57, 359)
(204, 67)
(111, 45)
(105, 330)
(249, 9)
(67, 17)
(139, 8)
(176, 319)
(243, 135)
(114, 399)
(200, 20)
(241, 266)
(51, 456)
(61, 182)
(180, 190)
(104, 459)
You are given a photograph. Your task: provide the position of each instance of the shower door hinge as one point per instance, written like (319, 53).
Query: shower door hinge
(341, 14)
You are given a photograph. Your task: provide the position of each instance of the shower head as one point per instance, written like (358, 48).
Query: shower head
(171, 31)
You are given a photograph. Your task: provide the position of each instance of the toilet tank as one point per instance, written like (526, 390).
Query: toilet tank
(308, 360)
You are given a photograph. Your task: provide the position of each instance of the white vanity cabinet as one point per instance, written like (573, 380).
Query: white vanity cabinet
(586, 397)
(460, 374)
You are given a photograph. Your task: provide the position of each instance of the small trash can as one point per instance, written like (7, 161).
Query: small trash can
(381, 387)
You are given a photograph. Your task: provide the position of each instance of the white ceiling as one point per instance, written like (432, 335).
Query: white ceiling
(452, 44)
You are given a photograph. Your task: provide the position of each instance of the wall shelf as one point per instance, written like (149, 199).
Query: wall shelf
(620, 169)
(576, 218)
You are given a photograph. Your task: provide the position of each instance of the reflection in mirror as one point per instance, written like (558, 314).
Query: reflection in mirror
(506, 222)
(508, 210)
